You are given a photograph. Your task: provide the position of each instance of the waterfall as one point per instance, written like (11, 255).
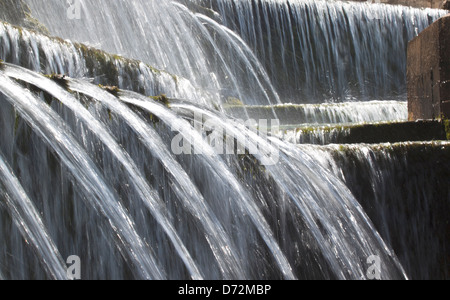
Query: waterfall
(319, 51)
(152, 28)
(55, 56)
(304, 51)
(94, 164)
(311, 201)
(52, 129)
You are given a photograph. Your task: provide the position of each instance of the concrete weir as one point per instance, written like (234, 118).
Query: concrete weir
(373, 133)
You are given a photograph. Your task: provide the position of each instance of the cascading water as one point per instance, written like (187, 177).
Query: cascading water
(153, 27)
(352, 236)
(53, 56)
(322, 50)
(400, 184)
(91, 170)
(30, 223)
(307, 51)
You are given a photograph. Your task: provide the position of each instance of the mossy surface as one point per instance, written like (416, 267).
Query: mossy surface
(114, 90)
(60, 79)
(232, 101)
(100, 63)
(376, 133)
(105, 67)
(163, 99)
(17, 12)
(447, 128)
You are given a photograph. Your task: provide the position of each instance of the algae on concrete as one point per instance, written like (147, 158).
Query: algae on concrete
(447, 128)
(384, 132)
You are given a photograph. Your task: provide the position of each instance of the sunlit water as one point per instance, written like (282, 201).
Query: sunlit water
(93, 173)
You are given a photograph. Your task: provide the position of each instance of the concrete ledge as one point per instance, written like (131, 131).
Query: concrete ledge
(413, 3)
(325, 113)
(368, 133)
(395, 132)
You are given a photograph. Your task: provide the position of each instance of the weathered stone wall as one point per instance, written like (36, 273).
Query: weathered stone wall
(413, 3)
(428, 73)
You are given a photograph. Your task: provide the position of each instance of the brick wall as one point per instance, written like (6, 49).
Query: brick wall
(429, 72)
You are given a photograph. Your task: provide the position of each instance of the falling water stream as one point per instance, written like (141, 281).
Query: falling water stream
(52, 129)
(32, 227)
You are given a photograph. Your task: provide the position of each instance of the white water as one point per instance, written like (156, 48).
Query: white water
(57, 135)
(147, 194)
(28, 220)
(309, 51)
(242, 198)
(328, 50)
(220, 245)
(314, 193)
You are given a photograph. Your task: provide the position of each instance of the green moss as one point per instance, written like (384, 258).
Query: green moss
(34, 24)
(175, 78)
(342, 148)
(114, 90)
(154, 70)
(99, 62)
(161, 99)
(374, 133)
(447, 128)
(110, 114)
(60, 79)
(16, 122)
(154, 119)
